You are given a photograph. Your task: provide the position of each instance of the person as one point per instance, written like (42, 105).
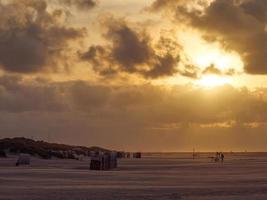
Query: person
(217, 157)
(222, 157)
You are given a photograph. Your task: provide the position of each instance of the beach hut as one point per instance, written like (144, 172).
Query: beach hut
(95, 163)
(128, 155)
(137, 155)
(104, 161)
(23, 159)
(80, 157)
(121, 154)
(113, 160)
(2, 154)
(92, 153)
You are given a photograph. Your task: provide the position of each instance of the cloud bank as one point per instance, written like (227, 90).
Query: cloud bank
(101, 111)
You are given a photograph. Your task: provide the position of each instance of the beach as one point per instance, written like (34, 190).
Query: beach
(162, 176)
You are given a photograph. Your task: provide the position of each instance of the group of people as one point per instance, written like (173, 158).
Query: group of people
(219, 156)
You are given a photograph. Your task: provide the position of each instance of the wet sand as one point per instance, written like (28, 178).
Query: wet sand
(243, 176)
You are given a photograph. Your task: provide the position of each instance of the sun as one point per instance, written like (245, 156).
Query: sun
(210, 81)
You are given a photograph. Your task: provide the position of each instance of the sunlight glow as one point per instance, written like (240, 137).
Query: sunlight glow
(221, 60)
(204, 54)
(210, 81)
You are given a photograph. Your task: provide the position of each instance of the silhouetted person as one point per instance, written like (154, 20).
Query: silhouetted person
(217, 157)
(222, 157)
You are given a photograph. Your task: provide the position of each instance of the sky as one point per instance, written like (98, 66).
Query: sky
(135, 75)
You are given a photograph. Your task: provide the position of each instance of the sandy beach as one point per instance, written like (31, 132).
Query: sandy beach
(156, 176)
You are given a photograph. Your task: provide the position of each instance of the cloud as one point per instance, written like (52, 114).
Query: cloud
(18, 96)
(190, 71)
(212, 70)
(239, 26)
(153, 104)
(159, 5)
(131, 50)
(31, 38)
(80, 4)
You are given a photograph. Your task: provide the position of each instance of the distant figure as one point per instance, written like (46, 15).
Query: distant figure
(217, 157)
(222, 157)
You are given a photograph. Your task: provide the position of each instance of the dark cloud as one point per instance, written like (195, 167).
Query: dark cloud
(190, 71)
(86, 97)
(238, 25)
(240, 29)
(31, 38)
(159, 5)
(175, 5)
(80, 4)
(212, 70)
(131, 50)
(255, 8)
(19, 96)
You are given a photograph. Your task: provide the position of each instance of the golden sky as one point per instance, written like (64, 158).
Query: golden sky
(149, 75)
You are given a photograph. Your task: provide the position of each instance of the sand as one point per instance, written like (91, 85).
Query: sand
(156, 176)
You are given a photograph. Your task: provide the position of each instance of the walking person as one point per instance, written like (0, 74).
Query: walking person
(222, 157)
